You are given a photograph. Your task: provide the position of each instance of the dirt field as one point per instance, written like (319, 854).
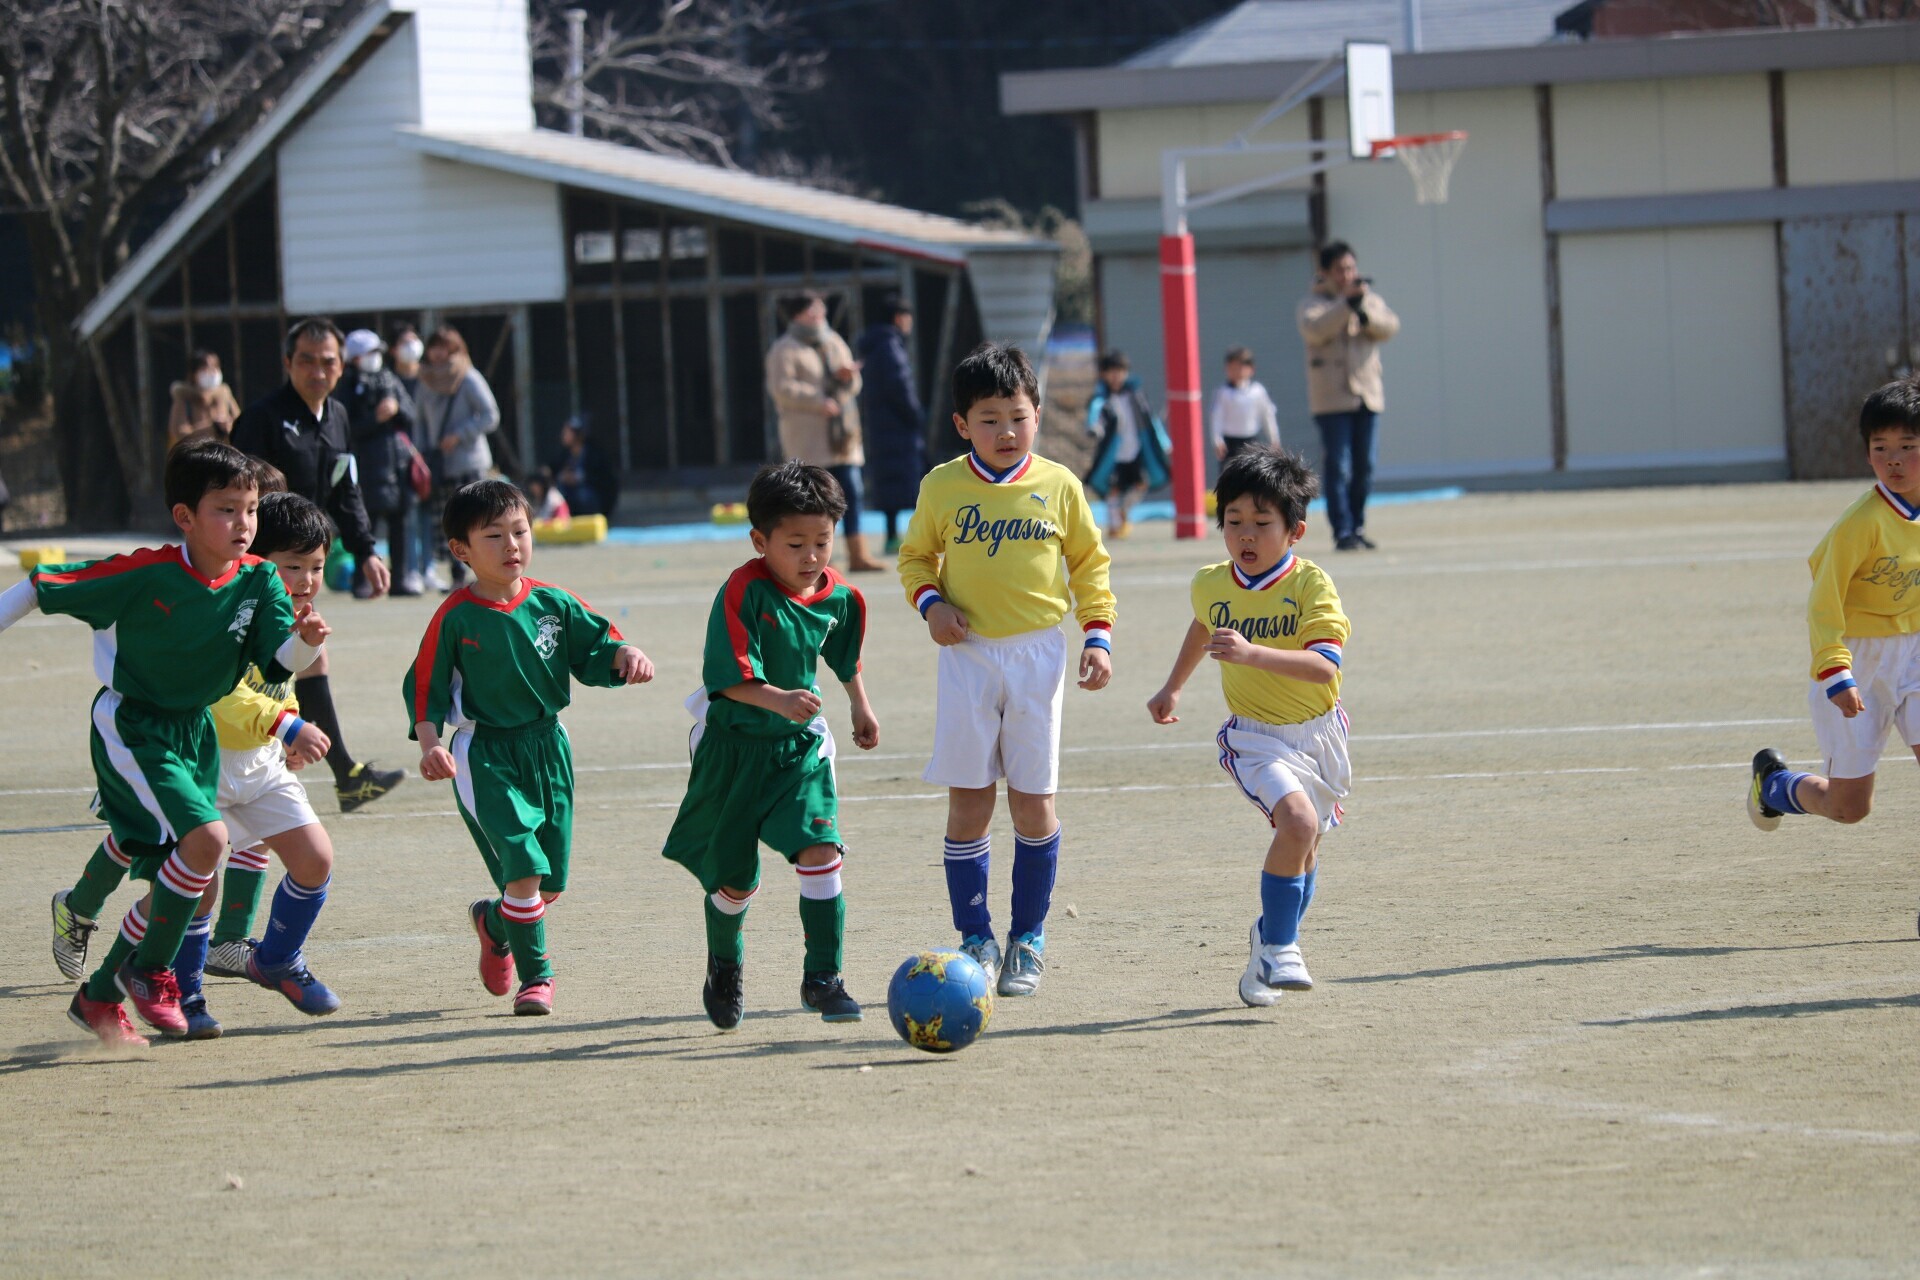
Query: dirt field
(1574, 1017)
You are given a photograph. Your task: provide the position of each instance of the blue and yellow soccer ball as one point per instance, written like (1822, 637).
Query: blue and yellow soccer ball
(940, 1001)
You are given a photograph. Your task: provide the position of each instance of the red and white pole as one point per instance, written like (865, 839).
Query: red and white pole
(1180, 321)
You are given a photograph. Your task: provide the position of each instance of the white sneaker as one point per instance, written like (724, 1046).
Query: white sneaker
(436, 580)
(413, 583)
(984, 952)
(1025, 965)
(1272, 971)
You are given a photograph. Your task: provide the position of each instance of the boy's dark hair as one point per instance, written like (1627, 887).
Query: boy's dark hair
(794, 303)
(793, 488)
(316, 328)
(1895, 405)
(1276, 480)
(1334, 250)
(196, 468)
(481, 502)
(993, 369)
(1115, 359)
(272, 479)
(288, 522)
(1239, 355)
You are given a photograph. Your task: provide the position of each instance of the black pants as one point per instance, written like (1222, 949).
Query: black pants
(398, 553)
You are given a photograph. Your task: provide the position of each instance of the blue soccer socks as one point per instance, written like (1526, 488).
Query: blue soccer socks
(1777, 790)
(1283, 899)
(190, 963)
(1313, 873)
(1035, 862)
(966, 863)
(295, 908)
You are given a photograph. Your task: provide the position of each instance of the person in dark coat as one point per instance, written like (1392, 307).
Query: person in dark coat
(379, 418)
(1133, 453)
(302, 430)
(588, 482)
(892, 415)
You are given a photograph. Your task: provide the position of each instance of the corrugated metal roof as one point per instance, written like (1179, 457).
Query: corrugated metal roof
(714, 192)
(1289, 30)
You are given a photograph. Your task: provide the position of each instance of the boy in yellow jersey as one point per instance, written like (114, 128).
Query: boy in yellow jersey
(1862, 618)
(1273, 622)
(995, 538)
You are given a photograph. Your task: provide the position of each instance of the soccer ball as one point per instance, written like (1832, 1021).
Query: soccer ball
(939, 1001)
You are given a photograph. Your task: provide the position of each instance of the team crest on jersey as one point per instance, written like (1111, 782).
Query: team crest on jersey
(547, 643)
(242, 619)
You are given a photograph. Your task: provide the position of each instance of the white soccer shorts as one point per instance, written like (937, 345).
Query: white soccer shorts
(998, 712)
(1887, 669)
(1269, 762)
(259, 797)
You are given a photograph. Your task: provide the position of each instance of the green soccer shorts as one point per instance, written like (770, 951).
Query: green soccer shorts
(157, 772)
(744, 792)
(515, 791)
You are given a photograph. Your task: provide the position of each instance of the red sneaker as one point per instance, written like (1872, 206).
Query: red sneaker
(156, 998)
(106, 1020)
(496, 958)
(535, 999)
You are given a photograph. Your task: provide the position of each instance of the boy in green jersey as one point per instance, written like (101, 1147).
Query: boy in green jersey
(762, 755)
(497, 663)
(175, 627)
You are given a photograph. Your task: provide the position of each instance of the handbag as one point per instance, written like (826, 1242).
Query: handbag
(419, 474)
(839, 433)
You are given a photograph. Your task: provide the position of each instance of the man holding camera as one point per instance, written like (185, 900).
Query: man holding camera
(1343, 323)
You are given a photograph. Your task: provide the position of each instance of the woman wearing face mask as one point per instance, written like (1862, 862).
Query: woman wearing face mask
(202, 403)
(380, 419)
(815, 385)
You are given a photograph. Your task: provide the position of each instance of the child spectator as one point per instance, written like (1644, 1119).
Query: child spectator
(1133, 450)
(762, 753)
(498, 661)
(1273, 622)
(1242, 412)
(176, 628)
(547, 502)
(1863, 620)
(996, 538)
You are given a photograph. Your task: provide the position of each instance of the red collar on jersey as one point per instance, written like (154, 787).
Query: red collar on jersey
(991, 476)
(1267, 579)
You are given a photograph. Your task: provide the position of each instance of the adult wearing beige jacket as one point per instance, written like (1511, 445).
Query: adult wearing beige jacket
(814, 383)
(1343, 323)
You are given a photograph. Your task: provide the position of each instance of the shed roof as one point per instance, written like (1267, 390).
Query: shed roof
(711, 191)
(1285, 30)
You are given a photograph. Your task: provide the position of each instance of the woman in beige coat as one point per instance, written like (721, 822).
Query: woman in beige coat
(814, 383)
(203, 403)
(1343, 323)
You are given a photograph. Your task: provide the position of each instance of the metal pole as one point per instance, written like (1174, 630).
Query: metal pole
(1412, 10)
(576, 65)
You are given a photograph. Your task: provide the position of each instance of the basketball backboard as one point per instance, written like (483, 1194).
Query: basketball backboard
(1369, 96)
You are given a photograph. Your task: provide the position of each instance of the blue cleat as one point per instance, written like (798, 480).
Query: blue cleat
(201, 1025)
(984, 952)
(1026, 964)
(292, 979)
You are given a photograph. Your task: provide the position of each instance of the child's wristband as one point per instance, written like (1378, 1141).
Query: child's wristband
(1328, 649)
(1837, 681)
(1099, 636)
(925, 598)
(291, 729)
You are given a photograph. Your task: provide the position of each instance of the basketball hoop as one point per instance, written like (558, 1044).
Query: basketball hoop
(1429, 157)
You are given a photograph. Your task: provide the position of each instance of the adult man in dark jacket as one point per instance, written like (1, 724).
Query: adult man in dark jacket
(380, 422)
(302, 430)
(890, 410)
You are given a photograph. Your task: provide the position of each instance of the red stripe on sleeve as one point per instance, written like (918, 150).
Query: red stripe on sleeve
(613, 631)
(737, 584)
(141, 559)
(429, 652)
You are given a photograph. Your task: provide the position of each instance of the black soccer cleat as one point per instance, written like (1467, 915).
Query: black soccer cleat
(725, 994)
(826, 995)
(1767, 763)
(366, 783)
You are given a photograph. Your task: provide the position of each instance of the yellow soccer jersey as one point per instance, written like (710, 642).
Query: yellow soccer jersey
(256, 713)
(1003, 549)
(1866, 581)
(1291, 606)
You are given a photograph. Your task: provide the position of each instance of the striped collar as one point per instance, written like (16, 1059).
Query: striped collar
(1907, 510)
(987, 473)
(1265, 580)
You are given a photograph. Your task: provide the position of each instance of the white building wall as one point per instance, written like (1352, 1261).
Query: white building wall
(475, 73)
(1128, 146)
(1856, 125)
(1661, 137)
(1672, 348)
(366, 224)
(1467, 385)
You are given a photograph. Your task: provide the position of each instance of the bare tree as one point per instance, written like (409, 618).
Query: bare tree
(678, 77)
(113, 110)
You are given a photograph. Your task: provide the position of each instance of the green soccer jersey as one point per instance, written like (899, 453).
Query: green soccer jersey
(168, 637)
(761, 631)
(507, 664)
